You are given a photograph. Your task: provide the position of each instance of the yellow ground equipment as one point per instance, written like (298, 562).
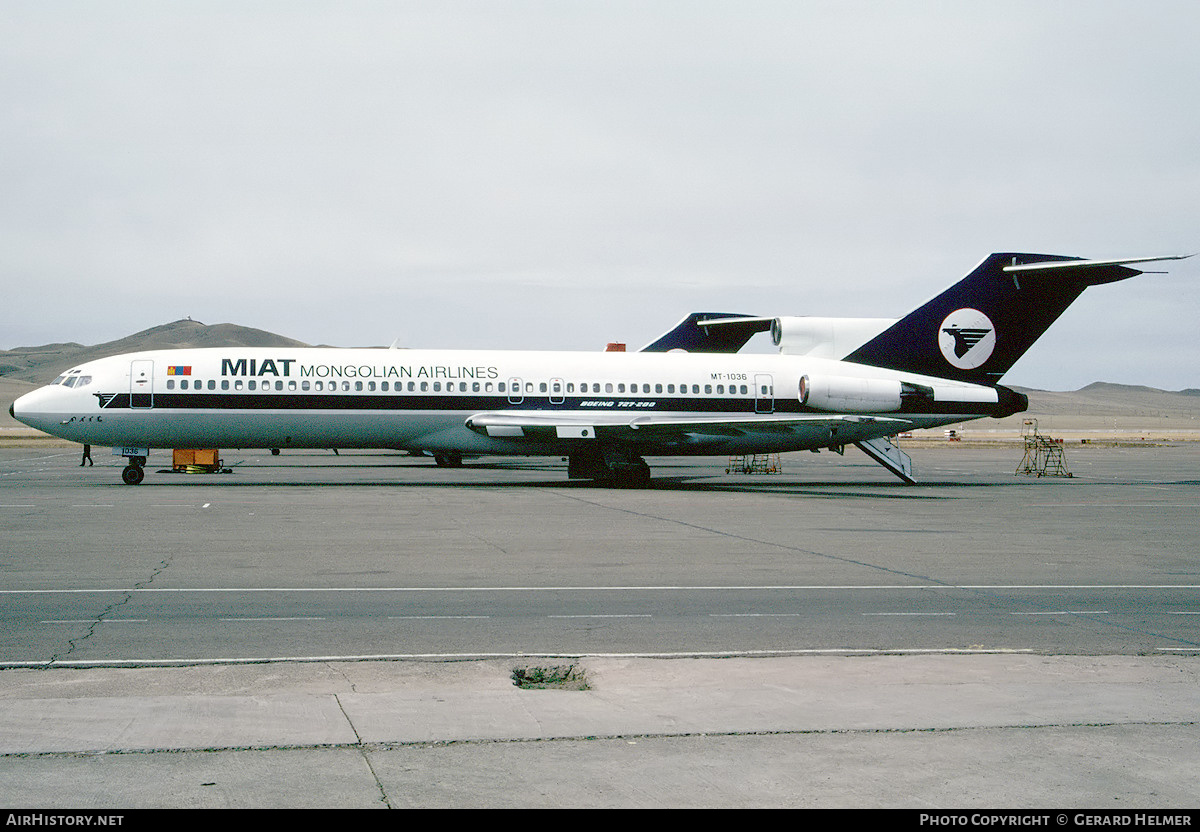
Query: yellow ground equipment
(196, 460)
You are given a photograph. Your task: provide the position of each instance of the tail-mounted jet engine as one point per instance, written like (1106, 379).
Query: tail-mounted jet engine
(825, 337)
(843, 394)
(846, 394)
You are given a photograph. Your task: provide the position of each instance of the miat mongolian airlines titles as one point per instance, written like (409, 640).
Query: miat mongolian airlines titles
(834, 382)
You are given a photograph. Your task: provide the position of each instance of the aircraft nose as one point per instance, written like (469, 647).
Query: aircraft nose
(24, 414)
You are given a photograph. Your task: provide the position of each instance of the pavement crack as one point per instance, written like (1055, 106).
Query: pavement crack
(77, 642)
(349, 721)
(384, 746)
(349, 682)
(462, 527)
(364, 753)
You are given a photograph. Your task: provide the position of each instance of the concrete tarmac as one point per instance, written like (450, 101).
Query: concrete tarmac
(951, 725)
(939, 731)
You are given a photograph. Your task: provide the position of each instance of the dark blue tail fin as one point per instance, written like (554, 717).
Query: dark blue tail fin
(978, 328)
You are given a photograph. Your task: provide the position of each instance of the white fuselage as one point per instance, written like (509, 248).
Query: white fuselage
(426, 400)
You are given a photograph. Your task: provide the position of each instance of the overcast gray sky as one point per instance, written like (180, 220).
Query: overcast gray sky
(560, 174)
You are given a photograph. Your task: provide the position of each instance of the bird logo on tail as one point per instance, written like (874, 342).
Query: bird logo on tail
(967, 338)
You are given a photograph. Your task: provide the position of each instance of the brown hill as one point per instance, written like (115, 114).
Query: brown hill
(1101, 399)
(42, 364)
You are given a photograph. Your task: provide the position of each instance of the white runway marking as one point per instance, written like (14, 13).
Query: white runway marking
(277, 618)
(577, 588)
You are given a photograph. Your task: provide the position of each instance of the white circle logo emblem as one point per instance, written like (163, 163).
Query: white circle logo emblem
(967, 338)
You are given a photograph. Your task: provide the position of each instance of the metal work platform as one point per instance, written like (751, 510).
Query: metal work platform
(1043, 454)
(754, 464)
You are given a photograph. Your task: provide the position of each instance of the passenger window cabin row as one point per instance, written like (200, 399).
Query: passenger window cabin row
(510, 388)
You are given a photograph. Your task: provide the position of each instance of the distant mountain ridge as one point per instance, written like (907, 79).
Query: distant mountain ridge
(42, 364)
(1104, 399)
(1107, 387)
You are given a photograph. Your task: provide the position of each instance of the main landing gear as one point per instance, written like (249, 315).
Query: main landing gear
(609, 466)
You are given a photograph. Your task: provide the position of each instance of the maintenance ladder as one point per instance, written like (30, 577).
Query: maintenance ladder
(1043, 454)
(754, 464)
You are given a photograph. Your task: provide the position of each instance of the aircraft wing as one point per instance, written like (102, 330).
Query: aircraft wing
(669, 427)
(633, 426)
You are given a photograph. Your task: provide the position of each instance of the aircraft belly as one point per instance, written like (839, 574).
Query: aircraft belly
(166, 428)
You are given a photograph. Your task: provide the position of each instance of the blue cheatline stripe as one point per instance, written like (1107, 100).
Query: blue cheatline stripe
(466, 403)
(477, 403)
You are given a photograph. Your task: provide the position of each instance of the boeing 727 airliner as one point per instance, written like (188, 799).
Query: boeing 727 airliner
(834, 382)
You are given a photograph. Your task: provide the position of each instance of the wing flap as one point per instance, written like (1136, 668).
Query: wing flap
(781, 424)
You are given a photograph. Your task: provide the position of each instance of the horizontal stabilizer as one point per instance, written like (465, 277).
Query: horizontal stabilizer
(1086, 272)
(709, 332)
(1059, 265)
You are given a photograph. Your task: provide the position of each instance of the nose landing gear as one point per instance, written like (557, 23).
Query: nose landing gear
(133, 473)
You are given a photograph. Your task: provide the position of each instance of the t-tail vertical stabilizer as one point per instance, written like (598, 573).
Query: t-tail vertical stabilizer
(978, 328)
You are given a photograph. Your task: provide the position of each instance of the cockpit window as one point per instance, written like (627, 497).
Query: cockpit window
(71, 381)
(59, 380)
